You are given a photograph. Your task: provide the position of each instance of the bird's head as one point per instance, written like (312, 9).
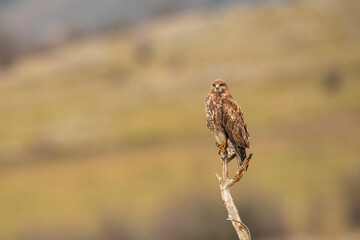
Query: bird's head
(219, 87)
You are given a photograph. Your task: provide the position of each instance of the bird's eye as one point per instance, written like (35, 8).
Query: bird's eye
(221, 84)
(214, 85)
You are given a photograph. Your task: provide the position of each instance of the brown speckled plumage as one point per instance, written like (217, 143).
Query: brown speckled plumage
(225, 119)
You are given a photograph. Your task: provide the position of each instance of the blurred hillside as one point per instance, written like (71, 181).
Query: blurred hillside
(105, 137)
(38, 25)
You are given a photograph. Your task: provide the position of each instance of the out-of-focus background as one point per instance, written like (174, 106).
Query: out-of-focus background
(102, 121)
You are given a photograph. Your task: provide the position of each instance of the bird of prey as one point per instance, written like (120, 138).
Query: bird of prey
(226, 121)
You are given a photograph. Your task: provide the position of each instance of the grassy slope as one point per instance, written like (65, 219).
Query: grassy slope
(113, 130)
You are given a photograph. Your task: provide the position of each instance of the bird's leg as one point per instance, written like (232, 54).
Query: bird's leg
(221, 146)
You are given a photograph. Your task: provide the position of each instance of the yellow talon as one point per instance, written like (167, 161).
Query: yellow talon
(221, 146)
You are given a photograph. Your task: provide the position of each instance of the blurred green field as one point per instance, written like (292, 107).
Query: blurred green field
(116, 124)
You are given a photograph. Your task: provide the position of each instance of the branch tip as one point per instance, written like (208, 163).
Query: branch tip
(230, 219)
(218, 177)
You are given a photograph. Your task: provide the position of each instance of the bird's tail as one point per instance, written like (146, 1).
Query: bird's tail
(240, 154)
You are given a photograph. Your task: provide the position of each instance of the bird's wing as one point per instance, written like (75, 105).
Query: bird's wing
(234, 124)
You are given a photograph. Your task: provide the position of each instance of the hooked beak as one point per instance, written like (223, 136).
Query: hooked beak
(217, 86)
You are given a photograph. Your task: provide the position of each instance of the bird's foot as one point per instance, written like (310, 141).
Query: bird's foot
(221, 146)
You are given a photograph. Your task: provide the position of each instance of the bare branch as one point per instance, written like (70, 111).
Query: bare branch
(231, 157)
(242, 230)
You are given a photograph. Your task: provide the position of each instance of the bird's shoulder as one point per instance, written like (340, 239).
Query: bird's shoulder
(231, 106)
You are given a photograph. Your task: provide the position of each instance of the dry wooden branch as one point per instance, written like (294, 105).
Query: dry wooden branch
(242, 230)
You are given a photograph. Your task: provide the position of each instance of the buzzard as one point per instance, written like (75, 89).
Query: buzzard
(226, 121)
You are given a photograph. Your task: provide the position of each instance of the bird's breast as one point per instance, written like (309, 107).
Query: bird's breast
(214, 115)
